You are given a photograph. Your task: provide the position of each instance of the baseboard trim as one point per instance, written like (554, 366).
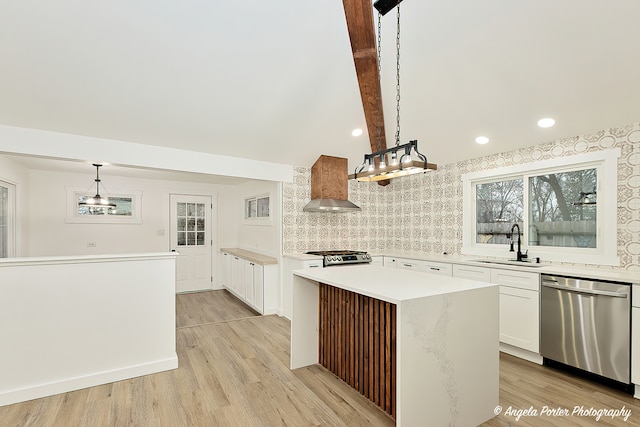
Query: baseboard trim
(521, 353)
(91, 380)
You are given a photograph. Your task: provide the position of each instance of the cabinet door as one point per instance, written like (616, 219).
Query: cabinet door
(249, 290)
(238, 276)
(519, 318)
(258, 288)
(225, 270)
(482, 274)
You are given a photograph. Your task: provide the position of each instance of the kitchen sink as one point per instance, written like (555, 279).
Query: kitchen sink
(509, 262)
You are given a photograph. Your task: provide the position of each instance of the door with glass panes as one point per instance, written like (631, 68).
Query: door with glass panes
(191, 237)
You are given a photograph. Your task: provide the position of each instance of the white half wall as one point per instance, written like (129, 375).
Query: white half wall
(73, 322)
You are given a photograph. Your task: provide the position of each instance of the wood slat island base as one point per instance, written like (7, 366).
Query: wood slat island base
(357, 341)
(433, 340)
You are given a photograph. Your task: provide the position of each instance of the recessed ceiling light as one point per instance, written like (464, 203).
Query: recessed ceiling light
(546, 122)
(356, 132)
(482, 140)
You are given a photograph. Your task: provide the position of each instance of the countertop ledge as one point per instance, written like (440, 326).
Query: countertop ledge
(79, 259)
(250, 256)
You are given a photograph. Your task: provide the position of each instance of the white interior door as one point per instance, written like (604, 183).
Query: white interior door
(191, 236)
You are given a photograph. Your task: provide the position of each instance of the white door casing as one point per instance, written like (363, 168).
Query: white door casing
(7, 219)
(190, 219)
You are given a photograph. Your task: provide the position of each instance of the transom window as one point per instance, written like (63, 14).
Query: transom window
(565, 209)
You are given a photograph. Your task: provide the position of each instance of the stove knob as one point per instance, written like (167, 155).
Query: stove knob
(339, 258)
(367, 256)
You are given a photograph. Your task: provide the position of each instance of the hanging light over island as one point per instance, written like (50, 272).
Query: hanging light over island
(375, 167)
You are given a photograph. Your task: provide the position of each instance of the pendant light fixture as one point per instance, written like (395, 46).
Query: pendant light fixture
(97, 201)
(405, 158)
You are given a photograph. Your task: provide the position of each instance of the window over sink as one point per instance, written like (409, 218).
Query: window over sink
(566, 208)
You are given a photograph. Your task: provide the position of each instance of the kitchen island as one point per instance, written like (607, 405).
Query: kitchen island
(423, 347)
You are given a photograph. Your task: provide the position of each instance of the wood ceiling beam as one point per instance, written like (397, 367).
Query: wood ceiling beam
(359, 15)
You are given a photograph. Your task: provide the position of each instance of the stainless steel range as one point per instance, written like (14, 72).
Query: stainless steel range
(345, 257)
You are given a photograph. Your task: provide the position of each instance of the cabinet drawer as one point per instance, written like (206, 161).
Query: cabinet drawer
(440, 268)
(516, 279)
(482, 274)
(410, 264)
(312, 264)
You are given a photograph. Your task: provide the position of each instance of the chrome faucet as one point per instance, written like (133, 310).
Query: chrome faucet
(519, 255)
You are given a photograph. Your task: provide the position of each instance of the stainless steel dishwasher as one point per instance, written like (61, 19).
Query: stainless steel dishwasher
(586, 324)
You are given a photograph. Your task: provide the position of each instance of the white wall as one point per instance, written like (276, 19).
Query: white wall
(18, 175)
(50, 235)
(235, 232)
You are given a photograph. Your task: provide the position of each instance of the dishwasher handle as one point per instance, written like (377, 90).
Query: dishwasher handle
(585, 291)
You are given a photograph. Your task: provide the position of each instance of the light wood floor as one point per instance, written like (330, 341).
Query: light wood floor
(234, 372)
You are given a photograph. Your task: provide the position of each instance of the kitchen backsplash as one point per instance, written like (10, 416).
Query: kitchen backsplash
(423, 213)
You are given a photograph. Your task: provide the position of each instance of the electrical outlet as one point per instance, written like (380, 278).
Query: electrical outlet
(91, 244)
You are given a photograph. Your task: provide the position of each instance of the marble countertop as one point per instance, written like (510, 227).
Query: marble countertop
(388, 284)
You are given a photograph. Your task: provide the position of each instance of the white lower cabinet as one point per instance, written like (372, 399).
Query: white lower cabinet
(254, 289)
(238, 274)
(635, 338)
(519, 308)
(519, 303)
(255, 284)
(225, 270)
(290, 264)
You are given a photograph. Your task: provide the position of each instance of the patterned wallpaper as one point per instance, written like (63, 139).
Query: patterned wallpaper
(423, 213)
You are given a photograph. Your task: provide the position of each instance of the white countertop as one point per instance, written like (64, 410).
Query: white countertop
(587, 272)
(388, 284)
(303, 257)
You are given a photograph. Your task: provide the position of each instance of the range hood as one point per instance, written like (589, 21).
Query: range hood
(329, 186)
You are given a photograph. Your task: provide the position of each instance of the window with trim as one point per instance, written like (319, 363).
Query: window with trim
(257, 209)
(127, 210)
(565, 208)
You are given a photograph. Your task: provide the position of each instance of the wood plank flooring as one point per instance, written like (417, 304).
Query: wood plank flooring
(234, 372)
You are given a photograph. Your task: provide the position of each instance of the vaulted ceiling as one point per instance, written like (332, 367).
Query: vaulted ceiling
(276, 81)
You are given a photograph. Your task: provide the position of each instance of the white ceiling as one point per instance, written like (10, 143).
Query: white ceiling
(275, 81)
